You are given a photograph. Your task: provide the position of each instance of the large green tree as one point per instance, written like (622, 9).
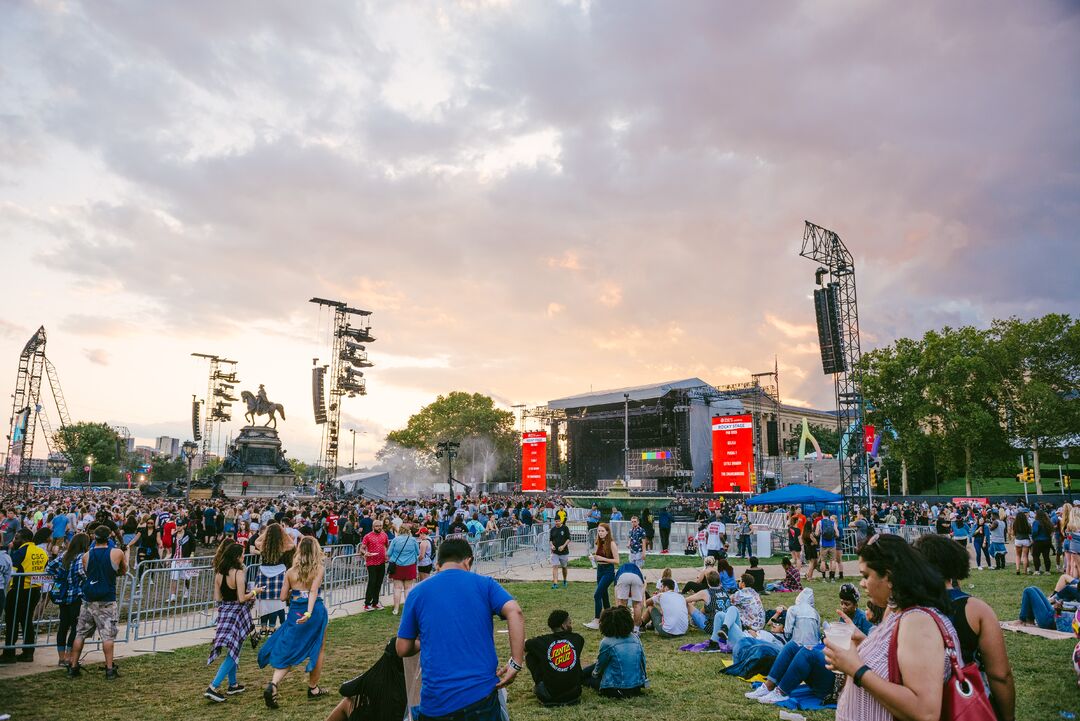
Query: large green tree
(165, 470)
(82, 442)
(485, 432)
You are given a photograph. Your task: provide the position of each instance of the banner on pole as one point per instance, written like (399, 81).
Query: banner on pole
(534, 461)
(868, 439)
(733, 454)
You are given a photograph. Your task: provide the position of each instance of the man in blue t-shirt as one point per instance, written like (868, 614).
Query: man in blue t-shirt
(449, 617)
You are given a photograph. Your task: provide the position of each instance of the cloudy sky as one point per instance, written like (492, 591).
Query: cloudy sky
(534, 198)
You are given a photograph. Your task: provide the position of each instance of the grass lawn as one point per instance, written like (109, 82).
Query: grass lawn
(673, 560)
(995, 486)
(684, 686)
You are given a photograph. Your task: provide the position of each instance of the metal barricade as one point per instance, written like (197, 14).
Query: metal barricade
(173, 600)
(36, 619)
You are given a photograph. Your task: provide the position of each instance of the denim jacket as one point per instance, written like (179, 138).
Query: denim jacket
(621, 663)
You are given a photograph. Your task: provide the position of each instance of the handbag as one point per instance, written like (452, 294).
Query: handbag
(963, 697)
(391, 567)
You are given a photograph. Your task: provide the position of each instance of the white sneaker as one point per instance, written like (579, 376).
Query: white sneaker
(593, 624)
(757, 692)
(774, 696)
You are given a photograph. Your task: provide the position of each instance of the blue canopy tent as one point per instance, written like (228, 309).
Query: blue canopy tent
(797, 494)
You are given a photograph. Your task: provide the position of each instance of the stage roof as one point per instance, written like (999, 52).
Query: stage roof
(614, 396)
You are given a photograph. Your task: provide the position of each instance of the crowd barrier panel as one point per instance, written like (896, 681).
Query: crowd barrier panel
(173, 600)
(34, 609)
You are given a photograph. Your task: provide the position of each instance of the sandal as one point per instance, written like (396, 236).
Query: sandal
(270, 695)
(316, 691)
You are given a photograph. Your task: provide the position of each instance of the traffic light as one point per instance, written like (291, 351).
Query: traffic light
(1066, 481)
(873, 478)
(1031, 475)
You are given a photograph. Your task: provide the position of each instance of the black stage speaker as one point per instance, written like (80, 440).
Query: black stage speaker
(772, 440)
(317, 394)
(196, 430)
(827, 313)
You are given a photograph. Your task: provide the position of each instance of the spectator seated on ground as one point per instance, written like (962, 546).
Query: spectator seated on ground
(619, 671)
(666, 573)
(758, 573)
(714, 599)
(378, 694)
(554, 660)
(668, 611)
(791, 582)
(745, 617)
(1067, 590)
(1049, 613)
(728, 579)
(699, 583)
(849, 606)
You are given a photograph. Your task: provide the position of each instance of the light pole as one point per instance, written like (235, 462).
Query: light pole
(449, 450)
(188, 450)
(520, 407)
(626, 439)
(89, 469)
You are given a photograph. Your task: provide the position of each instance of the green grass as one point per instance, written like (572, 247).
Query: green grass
(684, 686)
(673, 560)
(993, 486)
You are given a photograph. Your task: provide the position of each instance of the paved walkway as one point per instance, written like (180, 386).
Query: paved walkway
(45, 659)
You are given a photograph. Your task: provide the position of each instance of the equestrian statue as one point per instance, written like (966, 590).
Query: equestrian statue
(258, 405)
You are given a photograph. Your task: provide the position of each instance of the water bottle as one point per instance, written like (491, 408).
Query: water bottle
(592, 560)
(789, 716)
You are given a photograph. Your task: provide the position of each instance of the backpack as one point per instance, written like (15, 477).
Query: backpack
(828, 530)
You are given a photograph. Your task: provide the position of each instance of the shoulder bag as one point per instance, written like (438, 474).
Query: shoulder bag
(963, 697)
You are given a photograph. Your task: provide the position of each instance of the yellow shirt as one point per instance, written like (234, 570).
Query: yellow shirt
(34, 563)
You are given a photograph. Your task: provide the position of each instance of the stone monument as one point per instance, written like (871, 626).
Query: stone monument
(256, 455)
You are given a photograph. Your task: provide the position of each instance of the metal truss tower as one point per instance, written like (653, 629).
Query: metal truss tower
(28, 411)
(348, 356)
(825, 248)
(217, 406)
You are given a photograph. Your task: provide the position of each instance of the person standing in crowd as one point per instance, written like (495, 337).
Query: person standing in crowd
(23, 596)
(896, 576)
(605, 557)
(978, 540)
(452, 611)
(425, 561)
(183, 549)
(373, 548)
(234, 623)
(997, 541)
(715, 545)
(593, 517)
(976, 624)
(809, 549)
(403, 554)
(827, 534)
(636, 542)
(1042, 538)
(664, 520)
(1021, 530)
(559, 541)
(99, 612)
(744, 529)
(275, 550)
(9, 527)
(66, 593)
(630, 588)
(794, 540)
(5, 576)
(619, 671)
(668, 611)
(301, 637)
(554, 662)
(646, 522)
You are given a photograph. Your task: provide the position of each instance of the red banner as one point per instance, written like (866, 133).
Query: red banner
(733, 454)
(534, 461)
(868, 438)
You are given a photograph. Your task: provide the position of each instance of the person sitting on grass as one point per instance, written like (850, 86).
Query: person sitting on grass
(619, 671)
(758, 573)
(746, 616)
(715, 600)
(976, 624)
(378, 694)
(727, 576)
(849, 606)
(699, 583)
(791, 582)
(668, 610)
(666, 573)
(554, 660)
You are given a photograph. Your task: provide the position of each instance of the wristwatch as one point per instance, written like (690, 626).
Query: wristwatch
(513, 664)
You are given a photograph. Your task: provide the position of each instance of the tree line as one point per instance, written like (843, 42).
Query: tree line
(969, 401)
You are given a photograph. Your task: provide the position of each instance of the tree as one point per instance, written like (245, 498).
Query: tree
(485, 432)
(1037, 365)
(165, 470)
(827, 437)
(210, 468)
(83, 441)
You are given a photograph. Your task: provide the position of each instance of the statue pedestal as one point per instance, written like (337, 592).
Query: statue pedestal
(257, 457)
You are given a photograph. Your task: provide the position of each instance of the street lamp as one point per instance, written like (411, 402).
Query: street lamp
(188, 449)
(352, 466)
(89, 469)
(449, 449)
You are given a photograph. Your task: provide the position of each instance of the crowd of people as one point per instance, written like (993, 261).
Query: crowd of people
(70, 547)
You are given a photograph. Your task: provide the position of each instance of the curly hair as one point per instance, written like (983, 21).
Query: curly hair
(616, 622)
(946, 555)
(273, 544)
(914, 581)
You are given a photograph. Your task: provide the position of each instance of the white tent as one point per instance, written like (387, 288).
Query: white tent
(371, 484)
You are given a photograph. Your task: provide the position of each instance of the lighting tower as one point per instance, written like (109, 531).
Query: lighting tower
(217, 406)
(838, 333)
(348, 356)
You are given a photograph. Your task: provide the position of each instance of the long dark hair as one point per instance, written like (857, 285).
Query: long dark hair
(230, 559)
(914, 581)
(1021, 525)
(79, 543)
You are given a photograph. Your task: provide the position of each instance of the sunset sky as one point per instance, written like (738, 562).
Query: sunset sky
(534, 198)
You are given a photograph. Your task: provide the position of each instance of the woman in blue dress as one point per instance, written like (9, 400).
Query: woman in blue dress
(301, 636)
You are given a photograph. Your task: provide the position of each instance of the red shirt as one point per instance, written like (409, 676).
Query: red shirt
(375, 544)
(331, 524)
(167, 533)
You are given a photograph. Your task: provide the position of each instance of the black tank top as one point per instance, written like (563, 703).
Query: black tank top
(227, 594)
(969, 640)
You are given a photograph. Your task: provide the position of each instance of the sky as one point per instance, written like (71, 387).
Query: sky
(534, 198)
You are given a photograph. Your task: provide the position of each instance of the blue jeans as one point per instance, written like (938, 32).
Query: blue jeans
(486, 709)
(1034, 606)
(744, 545)
(795, 664)
(605, 576)
(979, 551)
(731, 621)
(227, 668)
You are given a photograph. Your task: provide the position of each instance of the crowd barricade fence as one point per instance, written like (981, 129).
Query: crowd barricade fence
(34, 610)
(173, 600)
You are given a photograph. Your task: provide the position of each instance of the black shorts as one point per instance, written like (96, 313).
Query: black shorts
(793, 545)
(811, 553)
(424, 569)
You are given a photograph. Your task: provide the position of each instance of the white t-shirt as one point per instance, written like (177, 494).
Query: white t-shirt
(715, 532)
(673, 607)
(294, 533)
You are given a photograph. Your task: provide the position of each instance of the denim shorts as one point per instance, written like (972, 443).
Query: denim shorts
(486, 709)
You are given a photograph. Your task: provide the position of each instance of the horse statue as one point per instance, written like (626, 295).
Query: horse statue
(260, 406)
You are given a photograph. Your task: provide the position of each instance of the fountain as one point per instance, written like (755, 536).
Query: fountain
(618, 496)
